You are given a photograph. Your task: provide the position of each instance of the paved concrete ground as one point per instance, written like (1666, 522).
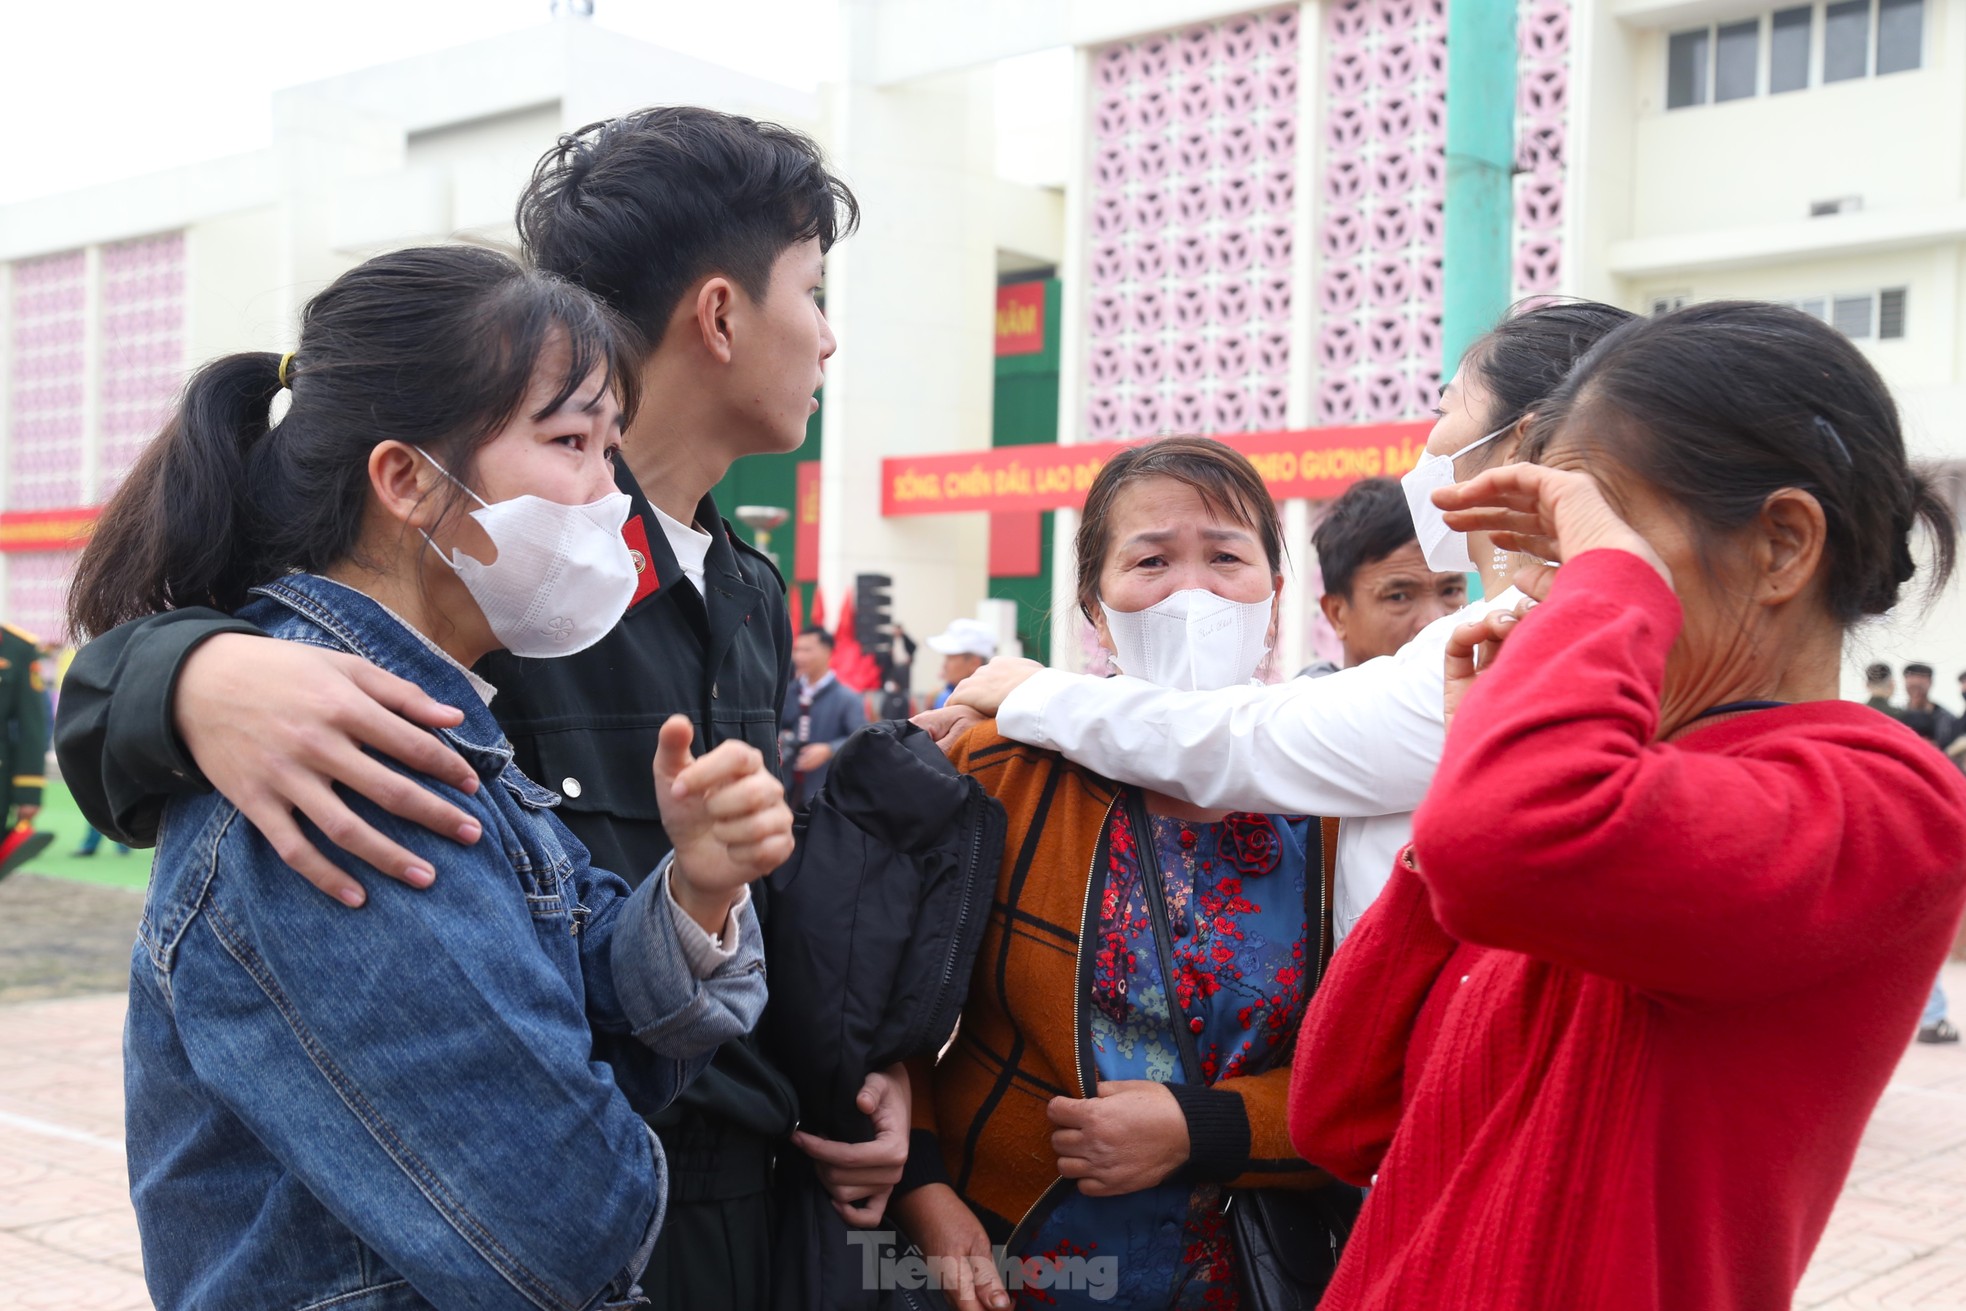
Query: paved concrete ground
(67, 1236)
(59, 938)
(1898, 1238)
(68, 1240)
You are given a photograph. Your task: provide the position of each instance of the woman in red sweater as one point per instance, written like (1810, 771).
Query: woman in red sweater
(1611, 1035)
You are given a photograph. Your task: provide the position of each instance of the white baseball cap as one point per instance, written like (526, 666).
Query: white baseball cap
(967, 637)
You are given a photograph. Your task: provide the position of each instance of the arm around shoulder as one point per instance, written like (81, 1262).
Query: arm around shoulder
(119, 751)
(1361, 742)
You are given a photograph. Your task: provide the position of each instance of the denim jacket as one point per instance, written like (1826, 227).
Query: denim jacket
(432, 1100)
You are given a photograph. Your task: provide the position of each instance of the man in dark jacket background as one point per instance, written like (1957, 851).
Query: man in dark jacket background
(706, 232)
(820, 714)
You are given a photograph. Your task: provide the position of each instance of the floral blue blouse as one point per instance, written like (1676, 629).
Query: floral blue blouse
(1236, 913)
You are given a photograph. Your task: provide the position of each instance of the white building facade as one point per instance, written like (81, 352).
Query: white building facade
(1247, 232)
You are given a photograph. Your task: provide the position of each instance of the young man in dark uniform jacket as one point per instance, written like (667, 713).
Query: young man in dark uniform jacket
(706, 232)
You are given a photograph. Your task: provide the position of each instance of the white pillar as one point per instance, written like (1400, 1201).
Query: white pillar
(1299, 601)
(910, 298)
(1065, 650)
(1299, 596)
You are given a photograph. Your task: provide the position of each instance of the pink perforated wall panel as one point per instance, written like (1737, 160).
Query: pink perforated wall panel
(37, 593)
(1542, 115)
(46, 380)
(1192, 185)
(1379, 215)
(1383, 189)
(143, 325)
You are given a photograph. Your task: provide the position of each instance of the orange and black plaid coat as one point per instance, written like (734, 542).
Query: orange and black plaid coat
(1021, 1039)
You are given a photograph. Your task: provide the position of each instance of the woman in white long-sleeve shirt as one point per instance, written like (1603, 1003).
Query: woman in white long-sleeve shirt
(1360, 744)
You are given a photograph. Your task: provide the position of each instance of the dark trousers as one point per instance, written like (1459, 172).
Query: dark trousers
(715, 1249)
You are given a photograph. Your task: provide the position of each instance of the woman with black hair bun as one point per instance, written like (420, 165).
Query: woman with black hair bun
(1672, 907)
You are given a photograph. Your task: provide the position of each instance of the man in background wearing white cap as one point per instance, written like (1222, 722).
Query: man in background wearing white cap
(966, 647)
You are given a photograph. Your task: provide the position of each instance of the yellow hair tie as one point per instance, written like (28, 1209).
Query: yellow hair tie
(285, 360)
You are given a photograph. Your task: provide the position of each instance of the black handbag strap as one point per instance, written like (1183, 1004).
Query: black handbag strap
(1156, 888)
(1280, 1236)
(1150, 877)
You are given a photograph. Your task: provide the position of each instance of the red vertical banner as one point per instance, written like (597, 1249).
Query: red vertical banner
(1020, 319)
(1017, 544)
(805, 523)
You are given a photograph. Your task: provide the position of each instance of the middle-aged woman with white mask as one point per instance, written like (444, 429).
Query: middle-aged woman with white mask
(1122, 1058)
(1361, 744)
(436, 1101)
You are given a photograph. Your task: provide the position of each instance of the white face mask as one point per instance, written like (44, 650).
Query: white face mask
(1446, 551)
(1194, 641)
(563, 577)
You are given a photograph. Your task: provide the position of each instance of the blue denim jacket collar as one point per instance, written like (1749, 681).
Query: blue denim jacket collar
(361, 625)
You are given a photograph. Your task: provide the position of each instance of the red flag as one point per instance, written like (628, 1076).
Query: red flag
(21, 846)
(818, 617)
(16, 838)
(795, 602)
(851, 665)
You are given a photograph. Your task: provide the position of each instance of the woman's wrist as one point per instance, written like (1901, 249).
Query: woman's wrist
(710, 910)
(1218, 1132)
(925, 1165)
(914, 1207)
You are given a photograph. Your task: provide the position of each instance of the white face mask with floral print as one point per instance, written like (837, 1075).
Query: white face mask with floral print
(563, 576)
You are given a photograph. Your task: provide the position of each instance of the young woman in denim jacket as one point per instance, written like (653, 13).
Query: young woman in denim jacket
(435, 1101)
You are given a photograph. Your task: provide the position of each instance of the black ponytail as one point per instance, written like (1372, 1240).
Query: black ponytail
(169, 535)
(435, 346)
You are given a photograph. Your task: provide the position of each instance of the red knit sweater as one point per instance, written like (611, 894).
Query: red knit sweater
(1614, 1043)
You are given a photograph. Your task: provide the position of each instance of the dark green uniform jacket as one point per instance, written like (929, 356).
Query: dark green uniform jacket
(24, 706)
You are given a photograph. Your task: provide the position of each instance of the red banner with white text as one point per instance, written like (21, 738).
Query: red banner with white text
(1306, 463)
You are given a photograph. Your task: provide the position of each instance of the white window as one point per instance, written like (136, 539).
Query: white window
(1736, 59)
(1859, 315)
(1850, 315)
(1891, 313)
(1846, 40)
(1900, 35)
(1861, 38)
(1788, 48)
(1686, 68)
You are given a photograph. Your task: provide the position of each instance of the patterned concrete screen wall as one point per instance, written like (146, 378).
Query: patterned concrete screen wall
(1542, 114)
(1192, 183)
(48, 381)
(1379, 215)
(1382, 188)
(139, 316)
(37, 593)
(143, 325)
